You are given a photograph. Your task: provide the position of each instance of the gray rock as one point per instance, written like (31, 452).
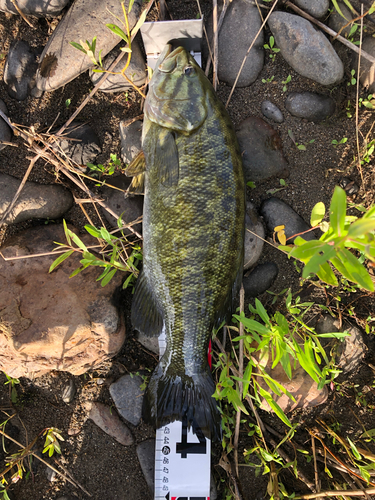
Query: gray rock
(146, 457)
(313, 107)
(367, 71)
(130, 208)
(305, 48)
(60, 62)
(241, 24)
(350, 186)
(150, 343)
(109, 422)
(5, 130)
(136, 71)
(261, 150)
(36, 201)
(316, 8)
(275, 213)
(272, 112)
(260, 279)
(336, 21)
(79, 142)
(351, 351)
(39, 8)
(20, 69)
(51, 474)
(131, 140)
(253, 244)
(69, 391)
(128, 397)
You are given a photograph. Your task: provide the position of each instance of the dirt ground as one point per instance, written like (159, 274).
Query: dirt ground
(101, 465)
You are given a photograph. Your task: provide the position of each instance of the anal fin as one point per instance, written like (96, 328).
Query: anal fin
(145, 315)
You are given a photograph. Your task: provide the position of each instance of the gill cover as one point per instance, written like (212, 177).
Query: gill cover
(177, 97)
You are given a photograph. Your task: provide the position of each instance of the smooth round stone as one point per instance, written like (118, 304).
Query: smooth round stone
(253, 244)
(79, 142)
(260, 279)
(136, 71)
(131, 140)
(5, 130)
(39, 8)
(128, 397)
(336, 21)
(316, 8)
(20, 69)
(305, 48)
(313, 107)
(146, 457)
(367, 73)
(109, 422)
(261, 150)
(275, 213)
(272, 112)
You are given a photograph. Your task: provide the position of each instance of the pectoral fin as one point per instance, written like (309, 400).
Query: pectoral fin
(145, 315)
(137, 165)
(166, 159)
(136, 186)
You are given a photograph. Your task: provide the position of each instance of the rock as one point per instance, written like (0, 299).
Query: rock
(350, 186)
(136, 71)
(60, 62)
(242, 19)
(272, 112)
(351, 351)
(146, 457)
(336, 21)
(313, 107)
(5, 130)
(260, 279)
(367, 72)
(20, 69)
(305, 48)
(50, 474)
(48, 321)
(69, 391)
(131, 140)
(130, 208)
(79, 142)
(316, 8)
(109, 422)
(39, 8)
(128, 397)
(275, 212)
(261, 150)
(150, 343)
(253, 244)
(36, 201)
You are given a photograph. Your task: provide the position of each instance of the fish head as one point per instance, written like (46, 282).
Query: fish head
(177, 92)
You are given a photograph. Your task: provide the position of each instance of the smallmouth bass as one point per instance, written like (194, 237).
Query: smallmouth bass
(193, 229)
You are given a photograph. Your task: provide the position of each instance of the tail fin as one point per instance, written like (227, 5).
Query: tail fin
(171, 396)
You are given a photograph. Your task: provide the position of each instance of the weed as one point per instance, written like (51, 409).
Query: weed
(283, 185)
(12, 388)
(337, 143)
(270, 46)
(367, 103)
(89, 49)
(353, 79)
(52, 444)
(268, 80)
(251, 184)
(300, 146)
(285, 82)
(100, 170)
(67, 103)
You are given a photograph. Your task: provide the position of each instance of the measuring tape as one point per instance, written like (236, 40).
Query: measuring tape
(182, 459)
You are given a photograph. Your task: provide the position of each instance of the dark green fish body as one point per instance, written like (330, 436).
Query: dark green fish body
(193, 228)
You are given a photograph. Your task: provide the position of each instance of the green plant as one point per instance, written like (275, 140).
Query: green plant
(270, 46)
(368, 152)
(337, 143)
(89, 48)
(300, 146)
(251, 184)
(268, 80)
(67, 103)
(100, 170)
(285, 82)
(283, 185)
(12, 388)
(353, 79)
(368, 102)
(52, 445)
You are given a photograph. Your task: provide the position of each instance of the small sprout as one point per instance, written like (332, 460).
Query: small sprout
(352, 80)
(270, 46)
(285, 82)
(267, 80)
(251, 184)
(52, 444)
(68, 102)
(337, 143)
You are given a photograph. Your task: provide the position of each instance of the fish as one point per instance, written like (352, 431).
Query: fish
(193, 237)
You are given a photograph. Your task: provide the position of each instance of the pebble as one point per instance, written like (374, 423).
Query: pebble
(84, 148)
(276, 212)
(253, 244)
(272, 112)
(39, 8)
(150, 343)
(36, 201)
(367, 73)
(309, 105)
(261, 150)
(136, 71)
(349, 353)
(131, 140)
(51, 474)
(316, 8)
(5, 130)
(60, 62)
(82, 329)
(336, 21)
(69, 391)
(242, 19)
(305, 48)
(20, 69)
(109, 422)
(260, 279)
(128, 397)
(350, 186)
(130, 208)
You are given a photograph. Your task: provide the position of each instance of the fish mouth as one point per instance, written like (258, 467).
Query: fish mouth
(164, 54)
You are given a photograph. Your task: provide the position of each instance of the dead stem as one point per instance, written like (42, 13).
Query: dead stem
(221, 20)
(316, 474)
(14, 2)
(357, 100)
(216, 42)
(336, 493)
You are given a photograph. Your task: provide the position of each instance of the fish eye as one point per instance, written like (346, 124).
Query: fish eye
(188, 70)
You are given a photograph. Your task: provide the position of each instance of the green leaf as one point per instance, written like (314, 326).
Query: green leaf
(118, 31)
(141, 20)
(313, 266)
(274, 406)
(77, 241)
(338, 210)
(307, 250)
(360, 227)
(317, 213)
(67, 233)
(92, 230)
(356, 270)
(108, 277)
(105, 235)
(78, 46)
(354, 449)
(60, 259)
(336, 335)
(261, 311)
(326, 274)
(252, 325)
